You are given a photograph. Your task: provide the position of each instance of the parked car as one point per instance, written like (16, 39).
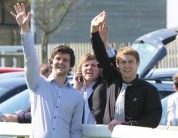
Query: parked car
(165, 74)
(21, 100)
(10, 69)
(11, 87)
(10, 75)
(165, 88)
(164, 112)
(152, 48)
(18, 102)
(15, 84)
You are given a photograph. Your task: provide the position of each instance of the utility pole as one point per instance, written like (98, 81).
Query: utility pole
(33, 23)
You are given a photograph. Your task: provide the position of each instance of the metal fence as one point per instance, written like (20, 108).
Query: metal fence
(13, 56)
(95, 131)
(80, 49)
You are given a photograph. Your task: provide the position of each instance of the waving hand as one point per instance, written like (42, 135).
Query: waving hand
(21, 17)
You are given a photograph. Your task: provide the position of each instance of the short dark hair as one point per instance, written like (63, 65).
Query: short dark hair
(63, 49)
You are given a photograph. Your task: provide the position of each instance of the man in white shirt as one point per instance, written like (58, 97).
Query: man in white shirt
(172, 105)
(56, 107)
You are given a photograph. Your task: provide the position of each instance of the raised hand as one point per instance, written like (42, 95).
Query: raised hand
(21, 17)
(98, 20)
(104, 31)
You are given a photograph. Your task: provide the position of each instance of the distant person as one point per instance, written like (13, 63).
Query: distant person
(129, 98)
(55, 105)
(45, 69)
(172, 105)
(24, 116)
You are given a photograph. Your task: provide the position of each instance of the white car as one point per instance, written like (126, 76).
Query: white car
(164, 112)
(165, 74)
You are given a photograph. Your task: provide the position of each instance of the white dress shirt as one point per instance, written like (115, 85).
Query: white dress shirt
(56, 110)
(88, 117)
(111, 53)
(172, 110)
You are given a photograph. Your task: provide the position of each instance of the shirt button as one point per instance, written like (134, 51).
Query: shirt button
(59, 96)
(53, 128)
(56, 106)
(54, 117)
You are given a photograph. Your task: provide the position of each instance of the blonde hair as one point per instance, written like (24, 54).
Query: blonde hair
(85, 58)
(127, 51)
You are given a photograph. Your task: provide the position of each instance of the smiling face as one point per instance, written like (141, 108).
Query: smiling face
(61, 64)
(128, 67)
(127, 60)
(62, 60)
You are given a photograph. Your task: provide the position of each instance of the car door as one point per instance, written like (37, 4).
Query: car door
(151, 48)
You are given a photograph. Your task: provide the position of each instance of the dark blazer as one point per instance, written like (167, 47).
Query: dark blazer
(97, 100)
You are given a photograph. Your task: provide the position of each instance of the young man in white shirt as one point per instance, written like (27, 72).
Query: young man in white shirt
(55, 105)
(172, 105)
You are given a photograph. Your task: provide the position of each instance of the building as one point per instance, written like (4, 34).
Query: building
(127, 21)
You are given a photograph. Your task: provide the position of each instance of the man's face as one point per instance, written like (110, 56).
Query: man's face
(90, 71)
(61, 64)
(128, 67)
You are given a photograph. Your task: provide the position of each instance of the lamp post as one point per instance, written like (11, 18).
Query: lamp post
(33, 23)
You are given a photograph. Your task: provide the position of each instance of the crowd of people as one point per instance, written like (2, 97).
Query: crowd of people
(107, 89)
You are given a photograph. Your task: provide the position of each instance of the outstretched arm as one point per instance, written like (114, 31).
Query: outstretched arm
(104, 32)
(31, 62)
(99, 48)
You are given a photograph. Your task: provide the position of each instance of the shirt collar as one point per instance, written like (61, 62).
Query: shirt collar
(134, 82)
(91, 86)
(51, 78)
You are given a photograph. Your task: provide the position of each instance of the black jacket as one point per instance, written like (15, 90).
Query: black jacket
(97, 100)
(142, 102)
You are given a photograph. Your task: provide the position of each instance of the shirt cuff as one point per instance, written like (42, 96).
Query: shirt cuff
(110, 52)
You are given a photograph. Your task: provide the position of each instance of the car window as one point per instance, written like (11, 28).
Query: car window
(3, 90)
(146, 52)
(168, 78)
(15, 103)
(11, 75)
(164, 93)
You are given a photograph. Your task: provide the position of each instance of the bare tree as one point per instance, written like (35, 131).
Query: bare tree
(49, 15)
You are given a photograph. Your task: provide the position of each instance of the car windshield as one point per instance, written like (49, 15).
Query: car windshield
(17, 102)
(146, 52)
(3, 90)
